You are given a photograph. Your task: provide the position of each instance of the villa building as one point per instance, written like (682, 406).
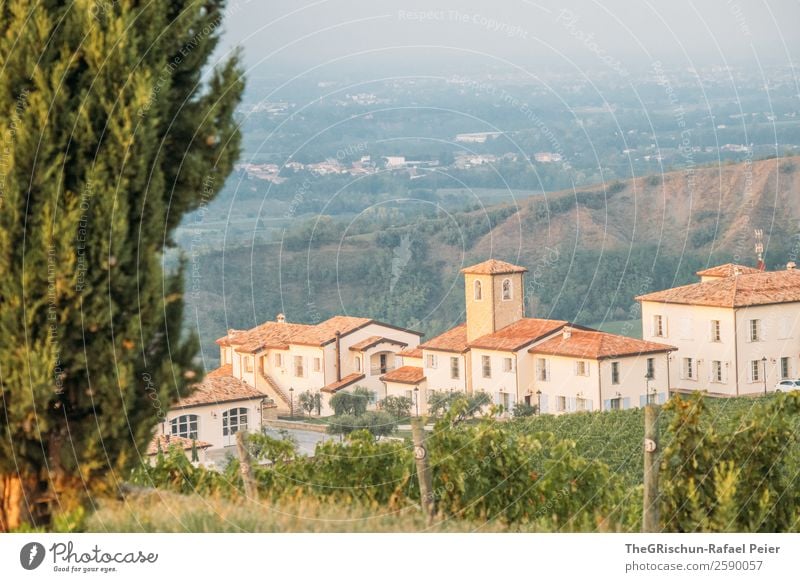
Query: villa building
(553, 364)
(264, 371)
(737, 330)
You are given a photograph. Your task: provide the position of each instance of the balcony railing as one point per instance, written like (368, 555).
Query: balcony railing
(380, 370)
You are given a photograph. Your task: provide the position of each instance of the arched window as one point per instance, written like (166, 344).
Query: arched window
(507, 290)
(233, 421)
(184, 426)
(478, 291)
(358, 363)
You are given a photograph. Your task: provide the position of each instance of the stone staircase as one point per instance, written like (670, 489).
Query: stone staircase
(283, 397)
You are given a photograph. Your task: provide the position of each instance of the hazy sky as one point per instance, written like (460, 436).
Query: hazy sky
(610, 35)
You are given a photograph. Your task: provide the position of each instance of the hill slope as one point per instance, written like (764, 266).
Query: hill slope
(589, 252)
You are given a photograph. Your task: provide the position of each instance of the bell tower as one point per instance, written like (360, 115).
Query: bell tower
(494, 294)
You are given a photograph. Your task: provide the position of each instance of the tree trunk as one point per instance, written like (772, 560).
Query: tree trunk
(16, 501)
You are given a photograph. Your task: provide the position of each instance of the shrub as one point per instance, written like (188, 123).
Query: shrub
(352, 403)
(398, 406)
(378, 423)
(522, 410)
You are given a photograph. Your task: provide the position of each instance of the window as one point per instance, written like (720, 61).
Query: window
(184, 426)
(505, 400)
(507, 290)
(716, 371)
(615, 372)
(431, 361)
(455, 372)
(279, 360)
(651, 398)
(561, 403)
(410, 395)
(755, 330)
(317, 364)
(248, 363)
(581, 368)
(716, 333)
(542, 370)
(651, 368)
(508, 365)
(486, 364)
(755, 371)
(616, 404)
(689, 369)
(786, 368)
(233, 421)
(298, 366)
(358, 363)
(478, 290)
(658, 326)
(582, 404)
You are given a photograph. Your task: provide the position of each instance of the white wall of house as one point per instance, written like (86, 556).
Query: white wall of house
(561, 386)
(401, 389)
(438, 371)
(632, 385)
(210, 421)
(717, 365)
(501, 384)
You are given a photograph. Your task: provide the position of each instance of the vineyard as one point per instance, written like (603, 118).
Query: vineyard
(726, 465)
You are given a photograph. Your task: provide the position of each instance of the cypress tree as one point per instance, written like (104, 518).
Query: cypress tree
(113, 125)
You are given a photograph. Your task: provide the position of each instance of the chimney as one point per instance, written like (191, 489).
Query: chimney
(281, 318)
(737, 271)
(791, 266)
(567, 332)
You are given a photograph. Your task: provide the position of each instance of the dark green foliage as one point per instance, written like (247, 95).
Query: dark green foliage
(310, 402)
(522, 410)
(352, 403)
(441, 402)
(741, 475)
(378, 423)
(111, 138)
(398, 406)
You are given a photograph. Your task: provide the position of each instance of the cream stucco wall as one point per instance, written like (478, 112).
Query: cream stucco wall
(439, 378)
(209, 428)
(688, 327)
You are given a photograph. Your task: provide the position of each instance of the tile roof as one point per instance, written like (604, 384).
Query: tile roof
(334, 387)
(269, 335)
(493, 267)
(727, 270)
(411, 353)
(219, 386)
(517, 335)
(596, 345)
(746, 290)
(275, 335)
(374, 341)
(167, 441)
(453, 340)
(405, 375)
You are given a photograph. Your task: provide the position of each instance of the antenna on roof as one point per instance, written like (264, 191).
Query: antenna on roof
(759, 235)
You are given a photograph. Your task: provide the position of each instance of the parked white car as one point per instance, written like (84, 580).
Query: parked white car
(787, 385)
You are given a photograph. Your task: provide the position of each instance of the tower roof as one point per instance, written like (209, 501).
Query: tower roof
(493, 267)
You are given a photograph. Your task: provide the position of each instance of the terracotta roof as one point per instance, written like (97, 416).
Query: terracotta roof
(167, 441)
(275, 335)
(405, 375)
(269, 335)
(519, 334)
(597, 345)
(374, 341)
(219, 387)
(411, 353)
(728, 270)
(226, 370)
(334, 387)
(493, 267)
(759, 288)
(453, 340)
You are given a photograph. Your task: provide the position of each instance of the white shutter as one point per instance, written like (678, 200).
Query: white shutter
(544, 404)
